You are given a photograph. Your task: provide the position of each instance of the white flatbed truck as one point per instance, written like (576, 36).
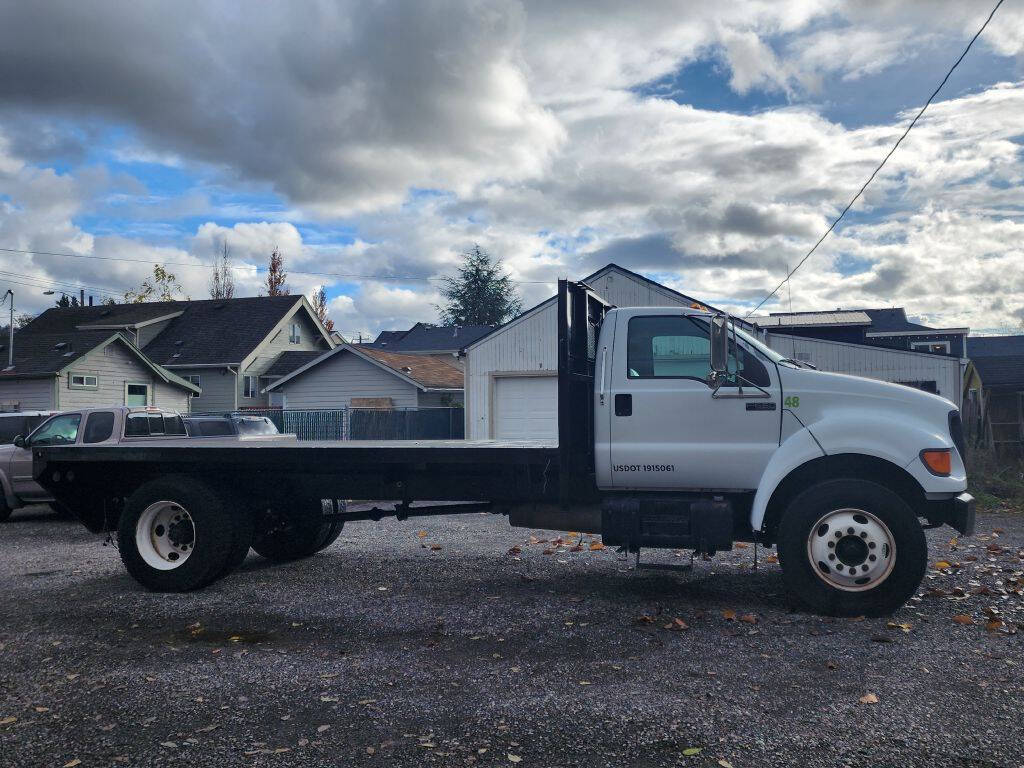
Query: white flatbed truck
(676, 429)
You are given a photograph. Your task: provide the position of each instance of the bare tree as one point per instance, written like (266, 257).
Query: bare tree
(320, 307)
(276, 276)
(222, 284)
(162, 286)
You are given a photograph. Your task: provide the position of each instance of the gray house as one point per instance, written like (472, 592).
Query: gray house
(426, 339)
(360, 376)
(86, 368)
(228, 350)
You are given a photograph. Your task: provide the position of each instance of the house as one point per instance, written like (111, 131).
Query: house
(511, 373)
(55, 371)
(363, 376)
(228, 349)
(887, 328)
(999, 361)
(426, 339)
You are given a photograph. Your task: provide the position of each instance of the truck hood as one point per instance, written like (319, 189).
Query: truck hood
(824, 394)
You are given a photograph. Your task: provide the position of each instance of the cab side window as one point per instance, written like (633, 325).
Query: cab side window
(669, 347)
(60, 430)
(99, 427)
(679, 347)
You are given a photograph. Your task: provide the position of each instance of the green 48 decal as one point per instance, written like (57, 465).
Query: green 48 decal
(792, 402)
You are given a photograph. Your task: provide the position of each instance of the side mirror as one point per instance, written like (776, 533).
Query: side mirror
(719, 345)
(20, 441)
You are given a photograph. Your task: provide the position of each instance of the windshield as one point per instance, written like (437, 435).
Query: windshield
(760, 346)
(256, 426)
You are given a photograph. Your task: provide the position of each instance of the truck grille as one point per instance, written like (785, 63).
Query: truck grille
(956, 432)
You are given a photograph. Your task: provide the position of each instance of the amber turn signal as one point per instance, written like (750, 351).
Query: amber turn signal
(938, 460)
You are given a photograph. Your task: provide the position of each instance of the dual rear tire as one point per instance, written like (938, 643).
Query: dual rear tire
(181, 534)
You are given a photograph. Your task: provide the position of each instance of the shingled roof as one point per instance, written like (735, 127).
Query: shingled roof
(42, 355)
(423, 337)
(427, 372)
(205, 332)
(431, 371)
(291, 360)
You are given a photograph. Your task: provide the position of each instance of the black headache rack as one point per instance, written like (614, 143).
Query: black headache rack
(580, 314)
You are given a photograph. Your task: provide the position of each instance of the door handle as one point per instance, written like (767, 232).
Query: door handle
(623, 405)
(604, 357)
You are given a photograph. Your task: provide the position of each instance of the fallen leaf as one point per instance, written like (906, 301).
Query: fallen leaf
(691, 751)
(168, 744)
(903, 625)
(422, 534)
(72, 763)
(772, 559)
(42, 709)
(8, 720)
(942, 565)
(729, 615)
(596, 546)
(323, 728)
(680, 624)
(868, 698)
(370, 750)
(993, 624)
(725, 764)
(963, 618)
(741, 545)
(515, 550)
(513, 758)
(645, 619)
(748, 618)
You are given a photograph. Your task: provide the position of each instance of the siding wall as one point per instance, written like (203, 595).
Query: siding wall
(114, 365)
(311, 341)
(530, 344)
(334, 382)
(29, 394)
(875, 362)
(218, 387)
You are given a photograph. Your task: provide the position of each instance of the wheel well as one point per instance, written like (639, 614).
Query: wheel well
(844, 465)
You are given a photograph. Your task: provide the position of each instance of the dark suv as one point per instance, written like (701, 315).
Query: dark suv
(230, 425)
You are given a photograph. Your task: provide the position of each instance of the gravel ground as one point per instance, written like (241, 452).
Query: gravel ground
(462, 641)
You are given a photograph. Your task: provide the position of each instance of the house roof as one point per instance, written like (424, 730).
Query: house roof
(205, 332)
(219, 330)
(813, 319)
(432, 371)
(423, 337)
(42, 355)
(1001, 370)
(426, 372)
(291, 360)
(994, 346)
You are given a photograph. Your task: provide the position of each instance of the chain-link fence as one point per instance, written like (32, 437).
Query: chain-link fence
(366, 423)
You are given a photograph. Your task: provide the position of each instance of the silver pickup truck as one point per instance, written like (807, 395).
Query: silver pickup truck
(87, 426)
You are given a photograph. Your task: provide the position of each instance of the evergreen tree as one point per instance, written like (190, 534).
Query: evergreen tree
(481, 294)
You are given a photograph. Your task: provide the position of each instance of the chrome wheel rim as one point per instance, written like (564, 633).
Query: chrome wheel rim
(165, 535)
(851, 550)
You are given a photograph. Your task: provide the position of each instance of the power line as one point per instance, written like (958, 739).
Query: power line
(201, 265)
(871, 178)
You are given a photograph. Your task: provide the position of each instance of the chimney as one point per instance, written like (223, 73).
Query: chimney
(90, 301)
(81, 297)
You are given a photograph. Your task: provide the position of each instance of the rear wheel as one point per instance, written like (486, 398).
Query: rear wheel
(851, 548)
(300, 533)
(177, 535)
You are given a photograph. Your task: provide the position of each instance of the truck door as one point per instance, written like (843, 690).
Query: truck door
(669, 428)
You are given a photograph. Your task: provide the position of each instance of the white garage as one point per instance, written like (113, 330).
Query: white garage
(511, 374)
(525, 407)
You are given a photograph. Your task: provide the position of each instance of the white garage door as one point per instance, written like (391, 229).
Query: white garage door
(526, 407)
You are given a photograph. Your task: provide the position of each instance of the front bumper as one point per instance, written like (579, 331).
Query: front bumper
(957, 511)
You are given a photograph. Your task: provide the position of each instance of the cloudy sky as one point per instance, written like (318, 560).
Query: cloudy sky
(704, 144)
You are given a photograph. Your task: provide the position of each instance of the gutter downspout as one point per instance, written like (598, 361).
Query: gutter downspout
(233, 372)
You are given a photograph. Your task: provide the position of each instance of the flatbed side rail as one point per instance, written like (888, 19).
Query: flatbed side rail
(580, 314)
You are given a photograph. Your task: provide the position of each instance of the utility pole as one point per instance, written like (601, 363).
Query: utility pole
(10, 346)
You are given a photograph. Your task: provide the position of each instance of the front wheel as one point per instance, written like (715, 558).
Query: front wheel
(176, 535)
(851, 548)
